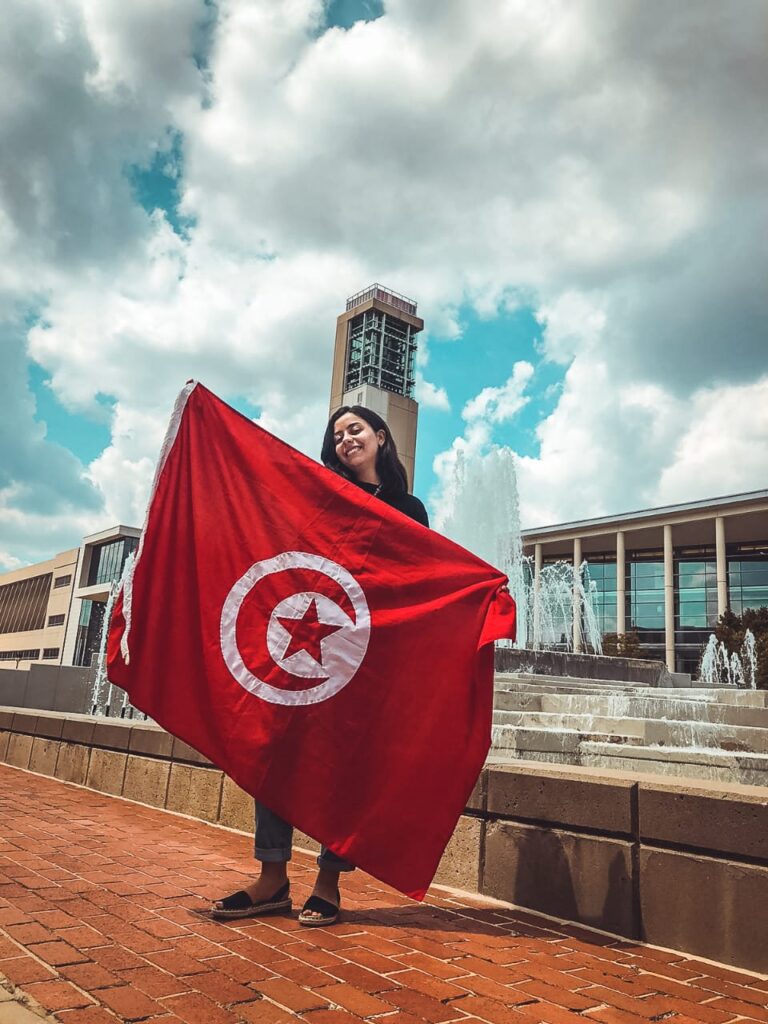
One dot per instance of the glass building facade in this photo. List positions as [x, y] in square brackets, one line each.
[695, 595]
[748, 577]
[106, 567]
[23, 604]
[644, 611]
[602, 576]
[108, 560]
[89, 627]
[382, 352]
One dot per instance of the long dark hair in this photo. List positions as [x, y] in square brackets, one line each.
[390, 469]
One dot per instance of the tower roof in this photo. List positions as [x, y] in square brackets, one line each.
[378, 291]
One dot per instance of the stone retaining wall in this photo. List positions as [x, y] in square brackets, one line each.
[681, 864]
[588, 666]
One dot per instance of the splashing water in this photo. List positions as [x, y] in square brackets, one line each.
[485, 518]
[101, 695]
[719, 667]
[103, 690]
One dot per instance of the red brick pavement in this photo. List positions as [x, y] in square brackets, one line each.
[103, 918]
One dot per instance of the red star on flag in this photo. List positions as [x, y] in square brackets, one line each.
[307, 633]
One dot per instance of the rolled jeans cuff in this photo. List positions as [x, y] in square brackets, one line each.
[333, 862]
[272, 855]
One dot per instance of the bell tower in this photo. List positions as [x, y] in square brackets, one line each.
[374, 363]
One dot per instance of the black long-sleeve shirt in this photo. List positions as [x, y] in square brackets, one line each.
[404, 502]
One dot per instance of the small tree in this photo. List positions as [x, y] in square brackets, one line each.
[623, 645]
[731, 630]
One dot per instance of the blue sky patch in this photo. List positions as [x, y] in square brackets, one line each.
[345, 13]
[157, 186]
[84, 436]
[484, 356]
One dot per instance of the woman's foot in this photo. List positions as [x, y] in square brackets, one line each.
[269, 894]
[322, 907]
[272, 877]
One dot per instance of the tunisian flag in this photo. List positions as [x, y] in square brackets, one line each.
[332, 656]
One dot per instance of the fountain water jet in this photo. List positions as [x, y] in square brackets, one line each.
[719, 667]
[485, 518]
[103, 690]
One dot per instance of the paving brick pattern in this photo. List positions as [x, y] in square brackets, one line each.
[103, 917]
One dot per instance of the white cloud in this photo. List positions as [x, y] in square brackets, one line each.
[724, 448]
[9, 562]
[487, 409]
[430, 395]
[564, 155]
[499, 405]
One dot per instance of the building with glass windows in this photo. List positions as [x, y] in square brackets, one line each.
[53, 611]
[667, 573]
[374, 362]
[35, 605]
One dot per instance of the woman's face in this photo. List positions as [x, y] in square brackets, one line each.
[357, 445]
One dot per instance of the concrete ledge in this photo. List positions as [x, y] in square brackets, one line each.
[716, 817]
[111, 735]
[146, 780]
[150, 740]
[460, 864]
[706, 906]
[587, 799]
[237, 808]
[194, 791]
[26, 722]
[72, 763]
[576, 877]
[19, 750]
[78, 728]
[584, 666]
[44, 755]
[106, 771]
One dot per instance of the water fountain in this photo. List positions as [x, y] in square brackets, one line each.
[485, 518]
[104, 695]
[719, 667]
[717, 730]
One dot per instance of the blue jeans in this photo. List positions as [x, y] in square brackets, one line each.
[274, 839]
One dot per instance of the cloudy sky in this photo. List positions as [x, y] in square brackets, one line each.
[573, 190]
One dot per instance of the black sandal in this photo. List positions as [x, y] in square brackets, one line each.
[240, 904]
[329, 911]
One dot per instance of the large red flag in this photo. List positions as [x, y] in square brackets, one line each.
[332, 656]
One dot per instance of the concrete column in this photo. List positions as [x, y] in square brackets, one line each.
[577, 643]
[538, 559]
[621, 576]
[722, 566]
[669, 598]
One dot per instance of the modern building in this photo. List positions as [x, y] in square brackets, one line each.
[374, 362]
[101, 560]
[53, 611]
[667, 573]
[35, 605]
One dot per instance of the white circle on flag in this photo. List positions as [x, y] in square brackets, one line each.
[342, 651]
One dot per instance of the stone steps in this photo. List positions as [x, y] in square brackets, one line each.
[702, 732]
[749, 769]
[505, 680]
[623, 707]
[651, 731]
[530, 684]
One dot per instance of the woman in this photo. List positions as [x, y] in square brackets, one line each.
[357, 445]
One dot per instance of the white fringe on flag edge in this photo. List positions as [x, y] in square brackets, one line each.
[130, 567]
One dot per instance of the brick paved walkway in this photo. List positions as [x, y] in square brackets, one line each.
[103, 917]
